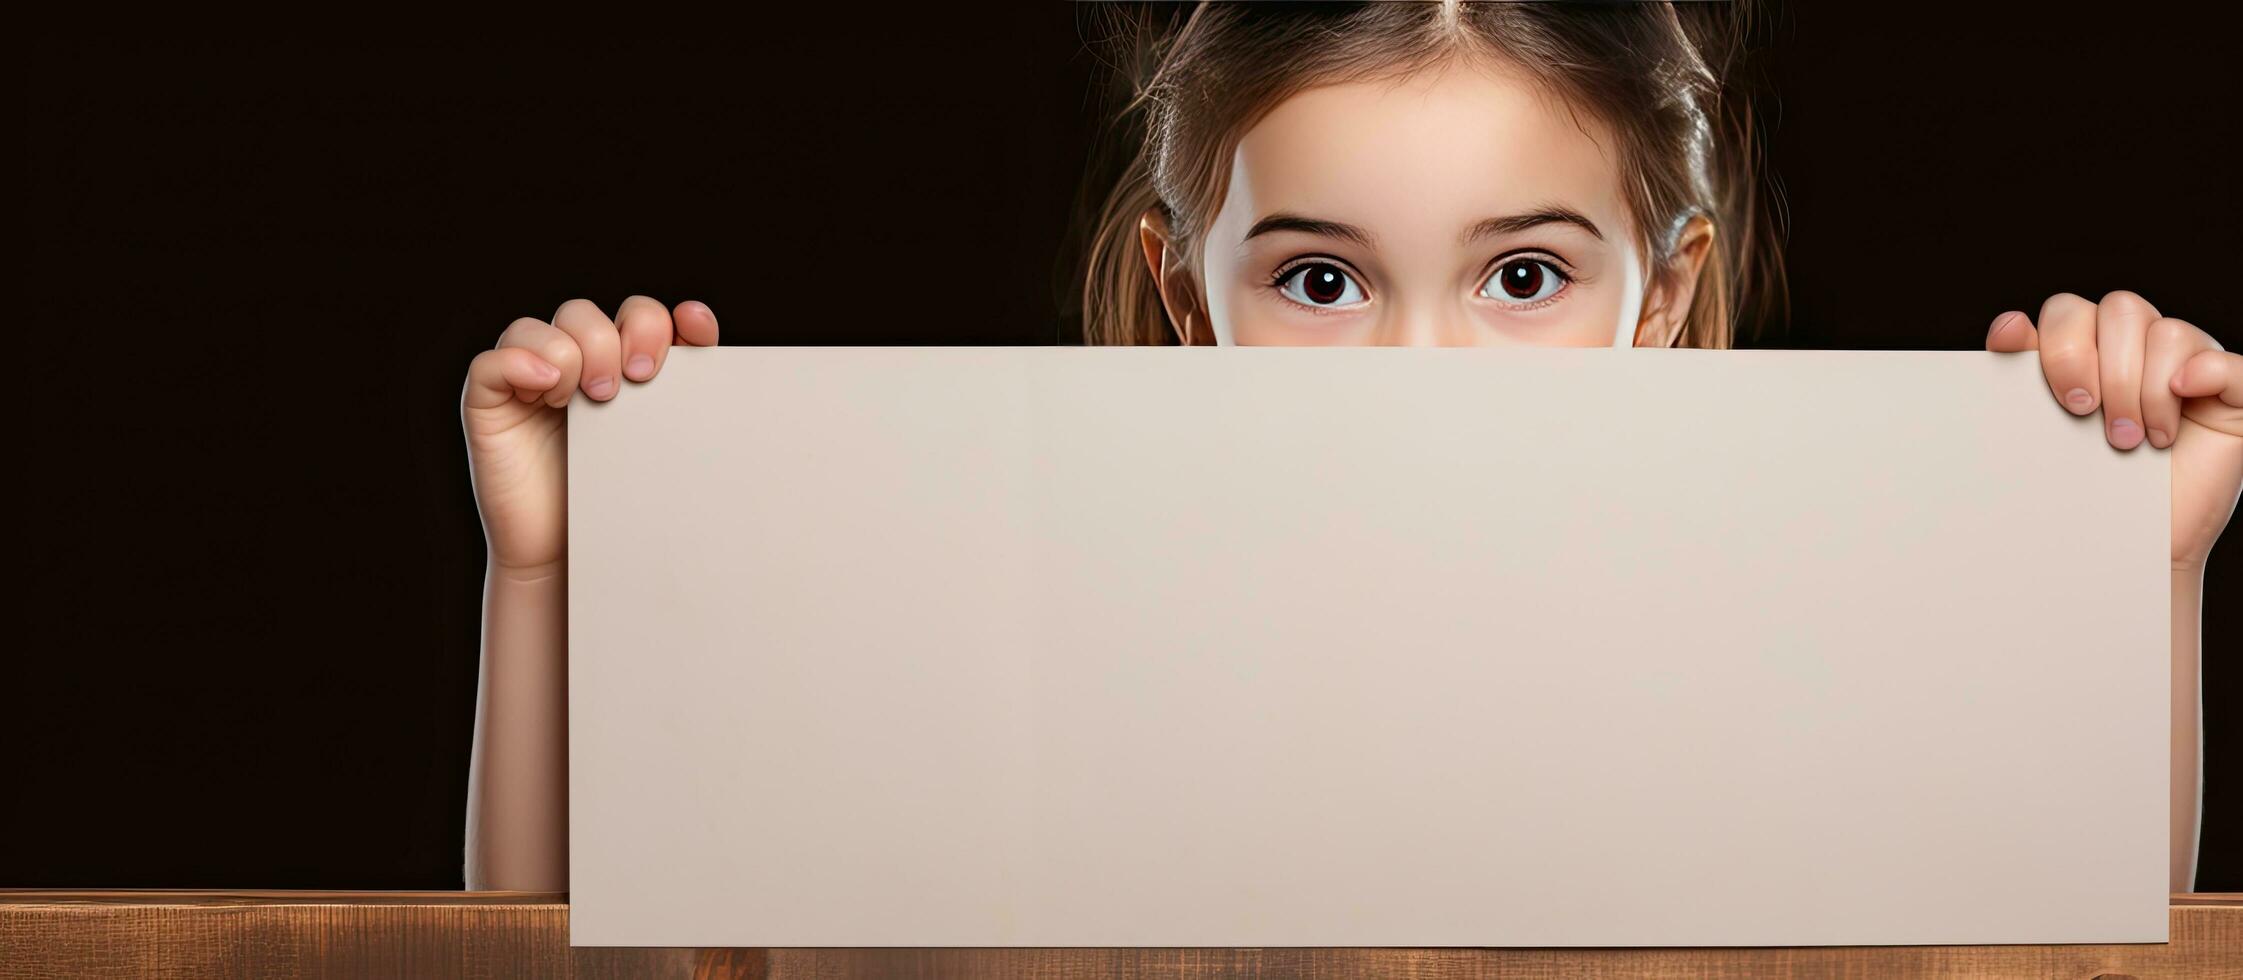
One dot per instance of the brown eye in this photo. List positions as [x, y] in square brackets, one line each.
[1319, 284]
[1524, 281]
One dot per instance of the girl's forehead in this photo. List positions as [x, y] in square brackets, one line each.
[1418, 154]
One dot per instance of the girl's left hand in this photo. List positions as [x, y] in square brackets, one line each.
[2157, 379]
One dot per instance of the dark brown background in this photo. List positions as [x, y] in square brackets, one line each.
[258, 272]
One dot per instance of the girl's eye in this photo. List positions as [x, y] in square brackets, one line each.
[1319, 284]
[1523, 281]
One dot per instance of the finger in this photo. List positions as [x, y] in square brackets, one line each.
[504, 374]
[2068, 361]
[2171, 343]
[2212, 381]
[2012, 331]
[602, 346]
[696, 324]
[2122, 326]
[2211, 373]
[644, 324]
[555, 346]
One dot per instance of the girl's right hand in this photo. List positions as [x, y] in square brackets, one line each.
[515, 405]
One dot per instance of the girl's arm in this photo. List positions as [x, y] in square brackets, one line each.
[514, 412]
[2187, 775]
[517, 788]
[2161, 384]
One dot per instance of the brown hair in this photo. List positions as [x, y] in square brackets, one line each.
[1659, 75]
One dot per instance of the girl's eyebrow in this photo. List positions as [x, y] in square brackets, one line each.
[1546, 214]
[1485, 227]
[1314, 226]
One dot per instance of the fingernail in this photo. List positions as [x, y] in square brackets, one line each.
[704, 307]
[2160, 439]
[600, 387]
[2079, 400]
[2125, 433]
[544, 371]
[641, 365]
[2002, 324]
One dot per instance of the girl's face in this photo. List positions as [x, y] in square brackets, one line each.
[1453, 207]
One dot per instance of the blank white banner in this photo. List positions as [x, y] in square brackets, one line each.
[1262, 646]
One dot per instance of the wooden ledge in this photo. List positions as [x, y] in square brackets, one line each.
[200, 933]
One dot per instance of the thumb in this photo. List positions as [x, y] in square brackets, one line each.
[2012, 331]
[2212, 381]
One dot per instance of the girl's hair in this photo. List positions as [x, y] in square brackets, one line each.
[1659, 75]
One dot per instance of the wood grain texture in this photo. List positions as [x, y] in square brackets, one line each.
[53, 933]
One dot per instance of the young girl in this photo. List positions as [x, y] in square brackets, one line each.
[1385, 173]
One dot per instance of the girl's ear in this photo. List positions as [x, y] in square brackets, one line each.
[1178, 295]
[1666, 308]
